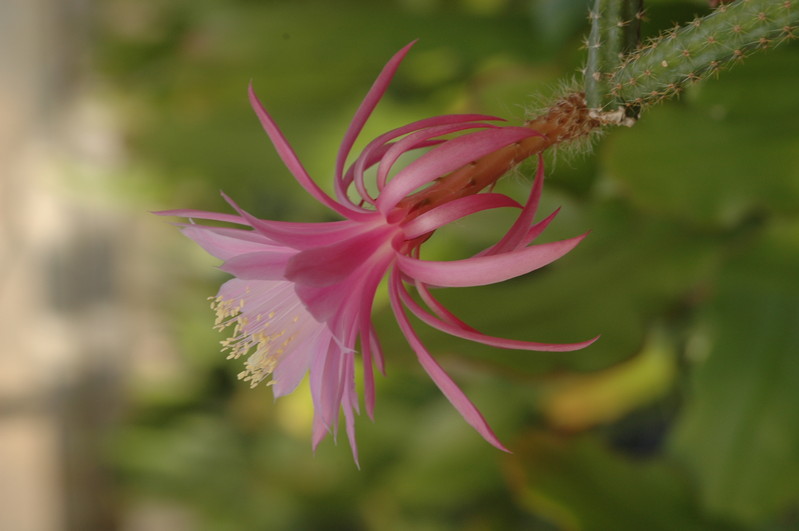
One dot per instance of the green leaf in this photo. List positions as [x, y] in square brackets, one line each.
[740, 429]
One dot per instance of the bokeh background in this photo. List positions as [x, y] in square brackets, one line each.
[117, 411]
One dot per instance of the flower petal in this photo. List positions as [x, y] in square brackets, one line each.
[419, 139]
[323, 266]
[446, 158]
[269, 265]
[201, 214]
[515, 235]
[368, 104]
[291, 160]
[225, 243]
[454, 210]
[471, 334]
[483, 270]
[450, 389]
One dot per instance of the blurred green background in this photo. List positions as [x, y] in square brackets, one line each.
[684, 415]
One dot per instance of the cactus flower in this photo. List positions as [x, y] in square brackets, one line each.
[302, 294]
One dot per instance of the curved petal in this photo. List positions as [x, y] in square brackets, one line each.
[514, 237]
[439, 309]
[532, 233]
[376, 149]
[450, 389]
[483, 270]
[305, 235]
[446, 158]
[473, 335]
[368, 104]
[455, 210]
[292, 162]
[416, 140]
[224, 243]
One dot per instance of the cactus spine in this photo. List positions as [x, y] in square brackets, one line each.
[662, 67]
[615, 31]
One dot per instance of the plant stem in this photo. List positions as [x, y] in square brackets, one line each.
[661, 68]
[615, 31]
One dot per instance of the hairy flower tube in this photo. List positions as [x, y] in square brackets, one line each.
[302, 294]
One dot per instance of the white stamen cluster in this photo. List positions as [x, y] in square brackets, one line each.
[265, 337]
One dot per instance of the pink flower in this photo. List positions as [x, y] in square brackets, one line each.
[301, 298]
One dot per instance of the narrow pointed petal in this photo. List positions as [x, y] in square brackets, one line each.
[419, 139]
[455, 210]
[269, 265]
[471, 334]
[225, 243]
[367, 106]
[302, 235]
[450, 389]
[377, 148]
[441, 311]
[446, 158]
[516, 234]
[291, 160]
[483, 270]
[201, 214]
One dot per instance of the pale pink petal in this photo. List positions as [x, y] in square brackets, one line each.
[483, 270]
[291, 369]
[225, 243]
[326, 386]
[269, 265]
[446, 158]
[201, 214]
[305, 235]
[349, 406]
[464, 406]
[455, 210]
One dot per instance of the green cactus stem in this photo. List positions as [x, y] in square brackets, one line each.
[661, 68]
[615, 31]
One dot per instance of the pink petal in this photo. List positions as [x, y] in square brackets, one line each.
[306, 235]
[225, 243]
[454, 210]
[515, 235]
[464, 406]
[323, 266]
[290, 371]
[483, 270]
[293, 163]
[377, 148]
[439, 309]
[201, 214]
[471, 334]
[367, 106]
[268, 265]
[419, 139]
[446, 158]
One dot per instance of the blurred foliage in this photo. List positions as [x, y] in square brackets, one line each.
[684, 415]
